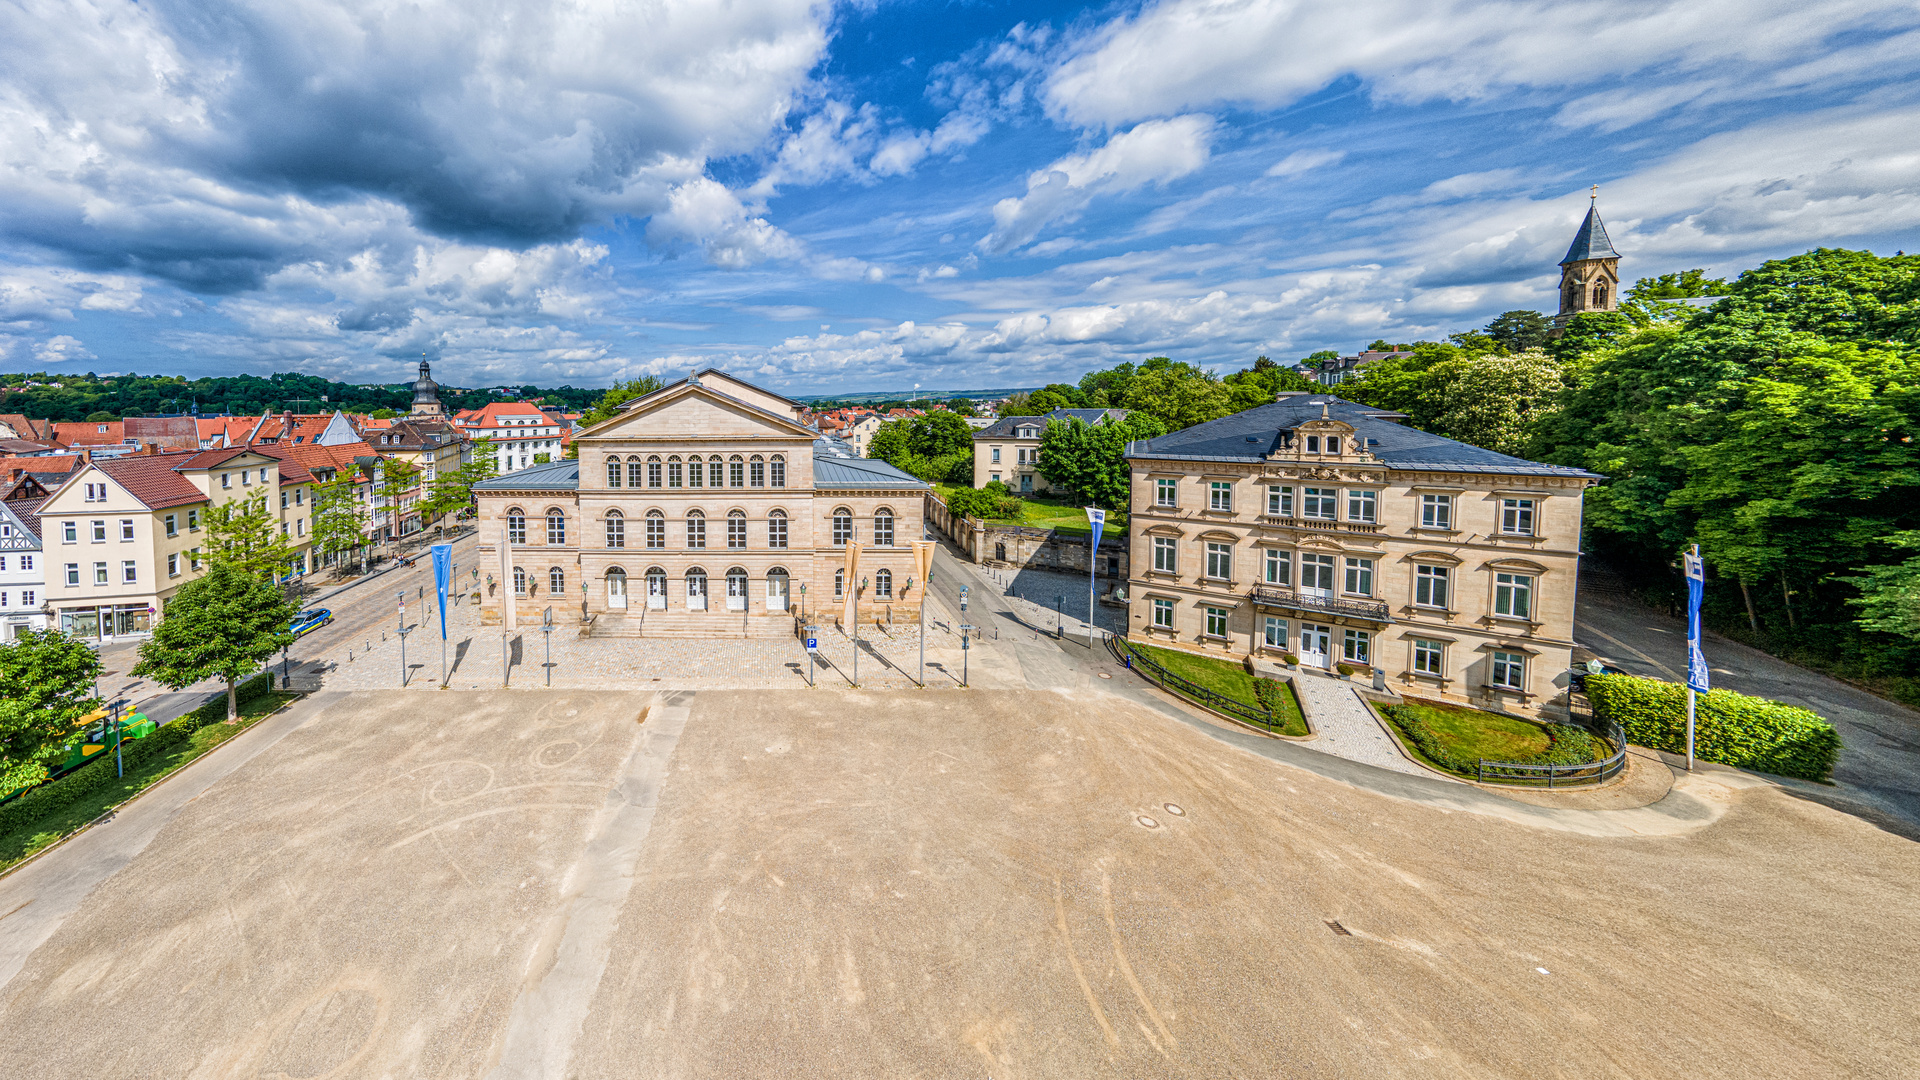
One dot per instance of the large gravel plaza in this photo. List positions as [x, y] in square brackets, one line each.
[938, 883]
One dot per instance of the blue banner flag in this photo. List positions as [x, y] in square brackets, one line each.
[442, 579]
[1696, 584]
[1098, 518]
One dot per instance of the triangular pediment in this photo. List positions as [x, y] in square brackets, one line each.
[691, 411]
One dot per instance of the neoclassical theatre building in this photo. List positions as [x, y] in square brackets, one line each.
[1326, 530]
[706, 508]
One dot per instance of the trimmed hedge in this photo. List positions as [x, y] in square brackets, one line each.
[56, 795]
[1566, 744]
[1729, 728]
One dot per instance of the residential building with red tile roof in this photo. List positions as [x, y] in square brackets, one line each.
[89, 433]
[520, 432]
[17, 426]
[120, 535]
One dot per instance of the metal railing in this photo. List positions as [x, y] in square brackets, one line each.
[1593, 772]
[1330, 605]
[1153, 672]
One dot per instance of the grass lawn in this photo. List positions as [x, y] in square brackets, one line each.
[1229, 679]
[1470, 734]
[1049, 512]
[24, 840]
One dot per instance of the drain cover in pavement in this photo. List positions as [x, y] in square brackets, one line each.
[1147, 822]
[1175, 810]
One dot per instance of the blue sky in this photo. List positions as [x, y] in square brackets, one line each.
[881, 196]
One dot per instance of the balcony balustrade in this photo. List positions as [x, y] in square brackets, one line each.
[1281, 597]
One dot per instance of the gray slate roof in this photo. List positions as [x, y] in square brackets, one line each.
[562, 475]
[1252, 435]
[1591, 241]
[1004, 427]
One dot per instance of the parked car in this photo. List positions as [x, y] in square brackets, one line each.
[311, 619]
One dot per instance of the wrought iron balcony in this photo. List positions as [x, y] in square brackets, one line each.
[1275, 596]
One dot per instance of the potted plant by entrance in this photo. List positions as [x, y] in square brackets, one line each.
[1292, 662]
[1346, 670]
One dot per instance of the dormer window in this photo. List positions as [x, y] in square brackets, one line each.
[1333, 444]
[1029, 433]
[1313, 444]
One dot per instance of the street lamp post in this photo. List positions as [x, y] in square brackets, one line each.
[546, 627]
[965, 631]
[401, 596]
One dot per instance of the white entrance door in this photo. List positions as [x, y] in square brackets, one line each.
[1315, 644]
[1316, 575]
[737, 591]
[777, 585]
[696, 592]
[656, 592]
[616, 590]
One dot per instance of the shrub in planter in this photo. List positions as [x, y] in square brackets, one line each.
[1729, 728]
[1346, 670]
[1291, 660]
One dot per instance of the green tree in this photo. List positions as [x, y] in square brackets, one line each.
[1179, 395]
[1020, 404]
[452, 491]
[1403, 384]
[225, 625]
[1494, 401]
[47, 682]
[100, 417]
[1261, 383]
[1090, 462]
[397, 477]
[1686, 283]
[620, 394]
[1316, 359]
[1518, 331]
[246, 534]
[1889, 599]
[383, 414]
[338, 524]
[961, 407]
[1106, 389]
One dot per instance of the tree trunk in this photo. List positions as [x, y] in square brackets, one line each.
[233, 703]
[1752, 619]
[1786, 596]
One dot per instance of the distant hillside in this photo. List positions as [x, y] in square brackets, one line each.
[915, 395]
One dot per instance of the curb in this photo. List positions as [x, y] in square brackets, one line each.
[362, 580]
[115, 809]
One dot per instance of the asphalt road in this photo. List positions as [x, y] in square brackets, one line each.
[1879, 768]
[952, 883]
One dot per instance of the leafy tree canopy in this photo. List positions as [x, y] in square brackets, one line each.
[224, 625]
[621, 393]
[1089, 461]
[47, 682]
[245, 533]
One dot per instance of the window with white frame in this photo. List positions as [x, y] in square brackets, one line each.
[1353, 646]
[1359, 576]
[1166, 554]
[696, 529]
[1216, 622]
[676, 473]
[173, 565]
[1277, 567]
[1219, 495]
[1510, 670]
[1166, 492]
[172, 523]
[778, 470]
[756, 472]
[1513, 595]
[99, 531]
[883, 527]
[777, 529]
[1436, 511]
[100, 573]
[613, 472]
[842, 527]
[68, 532]
[73, 573]
[616, 530]
[519, 582]
[1279, 500]
[1316, 572]
[994, 458]
[1360, 507]
[1430, 585]
[1276, 632]
[736, 529]
[1162, 609]
[556, 527]
[516, 527]
[656, 529]
[1219, 561]
[883, 584]
[653, 473]
[1319, 503]
[737, 472]
[840, 582]
[1429, 657]
[557, 581]
[1516, 517]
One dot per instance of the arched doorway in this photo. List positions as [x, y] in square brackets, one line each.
[696, 589]
[656, 589]
[736, 589]
[779, 588]
[616, 589]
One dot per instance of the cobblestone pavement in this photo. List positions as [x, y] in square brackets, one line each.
[1347, 728]
[1032, 594]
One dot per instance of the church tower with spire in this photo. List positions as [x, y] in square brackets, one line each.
[426, 393]
[1590, 274]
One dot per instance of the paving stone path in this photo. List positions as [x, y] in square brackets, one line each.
[1347, 727]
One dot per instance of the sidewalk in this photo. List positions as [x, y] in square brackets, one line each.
[1347, 728]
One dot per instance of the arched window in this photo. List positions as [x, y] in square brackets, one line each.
[616, 588]
[616, 530]
[556, 527]
[656, 529]
[736, 529]
[633, 472]
[696, 476]
[756, 472]
[696, 529]
[613, 472]
[737, 472]
[839, 582]
[519, 582]
[883, 527]
[1600, 296]
[673, 472]
[883, 584]
[736, 588]
[557, 581]
[776, 528]
[779, 471]
[842, 527]
[653, 472]
[516, 526]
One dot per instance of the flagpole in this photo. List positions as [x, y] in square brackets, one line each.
[1697, 674]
